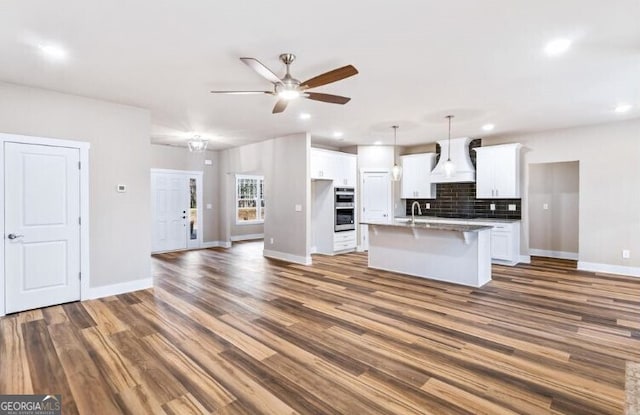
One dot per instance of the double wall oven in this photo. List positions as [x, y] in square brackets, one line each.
[345, 209]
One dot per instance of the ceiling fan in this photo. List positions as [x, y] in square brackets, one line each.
[289, 88]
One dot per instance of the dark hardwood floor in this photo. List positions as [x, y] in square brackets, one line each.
[230, 332]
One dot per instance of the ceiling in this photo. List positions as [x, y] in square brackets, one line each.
[482, 61]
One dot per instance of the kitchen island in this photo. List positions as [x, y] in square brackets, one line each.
[454, 253]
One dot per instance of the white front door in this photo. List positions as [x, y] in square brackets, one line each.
[42, 225]
[376, 198]
[176, 199]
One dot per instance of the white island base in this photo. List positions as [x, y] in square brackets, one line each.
[460, 255]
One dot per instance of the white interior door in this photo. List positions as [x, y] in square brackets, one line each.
[176, 210]
[376, 201]
[376, 193]
[42, 225]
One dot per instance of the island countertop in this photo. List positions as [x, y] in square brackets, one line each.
[432, 226]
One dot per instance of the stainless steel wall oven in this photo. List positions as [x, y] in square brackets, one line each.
[345, 209]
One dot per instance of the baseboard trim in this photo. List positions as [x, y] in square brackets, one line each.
[525, 259]
[609, 269]
[115, 289]
[248, 237]
[216, 244]
[283, 256]
[553, 254]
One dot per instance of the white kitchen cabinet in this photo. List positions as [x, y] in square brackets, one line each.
[333, 165]
[322, 164]
[345, 170]
[343, 241]
[498, 171]
[416, 176]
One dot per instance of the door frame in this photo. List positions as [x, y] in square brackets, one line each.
[83, 148]
[199, 174]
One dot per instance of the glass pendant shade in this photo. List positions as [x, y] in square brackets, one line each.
[449, 168]
[197, 144]
[396, 170]
[396, 173]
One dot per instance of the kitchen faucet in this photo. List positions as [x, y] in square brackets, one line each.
[413, 211]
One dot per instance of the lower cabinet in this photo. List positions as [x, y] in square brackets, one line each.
[343, 241]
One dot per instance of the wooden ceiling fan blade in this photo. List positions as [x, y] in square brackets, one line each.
[329, 77]
[280, 106]
[333, 99]
[242, 92]
[261, 69]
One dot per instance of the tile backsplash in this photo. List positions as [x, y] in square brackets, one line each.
[458, 200]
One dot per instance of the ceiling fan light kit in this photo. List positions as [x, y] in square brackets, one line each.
[289, 88]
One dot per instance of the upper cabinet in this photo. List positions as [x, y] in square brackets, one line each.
[416, 176]
[333, 165]
[498, 171]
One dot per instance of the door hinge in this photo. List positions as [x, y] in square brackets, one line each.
[79, 220]
[79, 165]
[79, 275]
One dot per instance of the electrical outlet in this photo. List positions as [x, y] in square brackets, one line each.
[428, 206]
[512, 207]
[209, 206]
[626, 254]
[545, 206]
[298, 208]
[492, 206]
[271, 241]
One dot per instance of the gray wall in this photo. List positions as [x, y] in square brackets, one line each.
[179, 158]
[120, 230]
[609, 156]
[556, 185]
[284, 163]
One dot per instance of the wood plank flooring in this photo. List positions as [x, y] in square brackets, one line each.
[230, 332]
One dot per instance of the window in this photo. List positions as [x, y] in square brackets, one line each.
[249, 199]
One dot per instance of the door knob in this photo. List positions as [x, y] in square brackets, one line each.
[14, 236]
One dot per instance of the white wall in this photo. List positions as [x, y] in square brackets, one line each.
[120, 229]
[609, 156]
[179, 158]
[284, 162]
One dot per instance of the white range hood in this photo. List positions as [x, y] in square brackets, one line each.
[464, 170]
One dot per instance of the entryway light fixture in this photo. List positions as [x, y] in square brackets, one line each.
[449, 166]
[197, 144]
[396, 171]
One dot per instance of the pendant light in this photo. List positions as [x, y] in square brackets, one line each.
[396, 171]
[449, 166]
[197, 144]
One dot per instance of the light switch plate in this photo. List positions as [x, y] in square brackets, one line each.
[512, 207]
[298, 208]
[626, 254]
[209, 205]
[545, 206]
[208, 162]
[492, 206]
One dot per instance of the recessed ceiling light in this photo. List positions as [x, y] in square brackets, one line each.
[621, 108]
[377, 143]
[305, 116]
[557, 47]
[488, 127]
[53, 52]
[338, 134]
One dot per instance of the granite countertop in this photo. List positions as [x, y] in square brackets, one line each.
[433, 226]
[437, 219]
